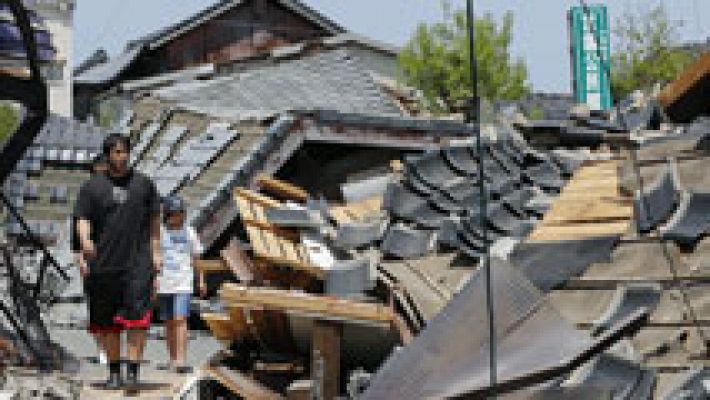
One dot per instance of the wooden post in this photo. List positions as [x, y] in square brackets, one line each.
[326, 358]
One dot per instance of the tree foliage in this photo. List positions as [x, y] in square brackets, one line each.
[8, 121]
[436, 61]
[646, 50]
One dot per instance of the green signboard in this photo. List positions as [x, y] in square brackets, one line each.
[590, 52]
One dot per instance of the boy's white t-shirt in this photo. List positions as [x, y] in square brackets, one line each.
[177, 248]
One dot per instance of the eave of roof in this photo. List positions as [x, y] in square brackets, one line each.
[161, 37]
[105, 73]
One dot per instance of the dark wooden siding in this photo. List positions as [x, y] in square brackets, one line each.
[248, 30]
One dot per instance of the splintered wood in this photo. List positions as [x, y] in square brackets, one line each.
[589, 206]
[281, 189]
[321, 307]
[270, 243]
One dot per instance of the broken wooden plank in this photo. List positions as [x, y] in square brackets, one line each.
[210, 266]
[240, 384]
[591, 210]
[293, 301]
[237, 261]
[221, 326]
[579, 231]
[255, 197]
[282, 189]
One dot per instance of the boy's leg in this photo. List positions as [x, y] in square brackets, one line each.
[180, 340]
[182, 310]
[170, 338]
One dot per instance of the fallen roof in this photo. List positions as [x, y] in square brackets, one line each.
[330, 80]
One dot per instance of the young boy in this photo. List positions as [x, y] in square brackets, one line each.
[180, 247]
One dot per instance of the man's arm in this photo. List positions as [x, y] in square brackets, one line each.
[155, 242]
[88, 249]
[81, 262]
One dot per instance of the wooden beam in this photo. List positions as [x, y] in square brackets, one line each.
[281, 189]
[325, 358]
[210, 266]
[322, 307]
[223, 327]
[240, 384]
[238, 262]
[673, 91]
[256, 197]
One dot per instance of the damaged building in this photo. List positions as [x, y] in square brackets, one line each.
[344, 233]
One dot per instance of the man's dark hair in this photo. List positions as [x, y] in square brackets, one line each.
[113, 140]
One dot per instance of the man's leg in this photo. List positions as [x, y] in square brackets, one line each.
[112, 346]
[136, 344]
[101, 347]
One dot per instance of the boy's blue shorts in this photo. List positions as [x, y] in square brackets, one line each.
[174, 305]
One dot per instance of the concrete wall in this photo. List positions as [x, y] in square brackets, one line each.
[58, 16]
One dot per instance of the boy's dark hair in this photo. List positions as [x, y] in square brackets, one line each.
[97, 161]
[113, 140]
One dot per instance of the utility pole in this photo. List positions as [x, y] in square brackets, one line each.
[473, 119]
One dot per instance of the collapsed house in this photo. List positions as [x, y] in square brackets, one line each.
[345, 236]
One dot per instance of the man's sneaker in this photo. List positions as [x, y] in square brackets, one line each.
[103, 360]
[131, 381]
[114, 382]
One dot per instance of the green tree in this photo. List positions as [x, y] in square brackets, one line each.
[8, 121]
[646, 50]
[436, 61]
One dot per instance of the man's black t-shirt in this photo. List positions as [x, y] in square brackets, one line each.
[119, 212]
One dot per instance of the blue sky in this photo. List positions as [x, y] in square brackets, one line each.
[540, 32]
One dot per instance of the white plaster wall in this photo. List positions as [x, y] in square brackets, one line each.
[58, 16]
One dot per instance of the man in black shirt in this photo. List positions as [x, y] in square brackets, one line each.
[118, 216]
[98, 166]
